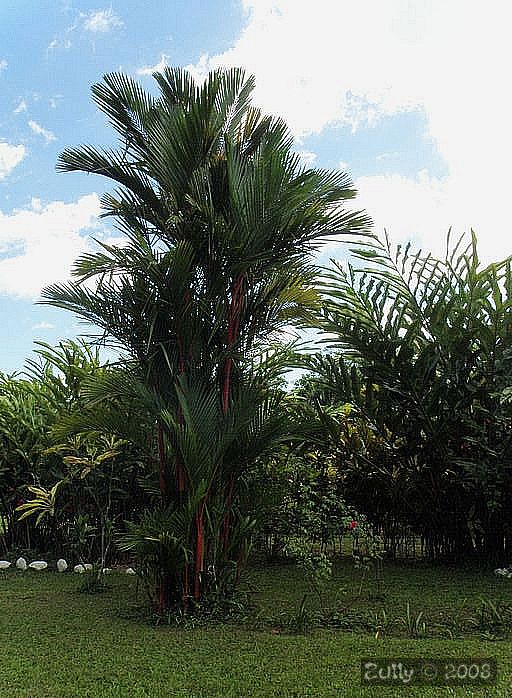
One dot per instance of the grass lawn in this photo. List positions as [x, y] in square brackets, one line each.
[56, 642]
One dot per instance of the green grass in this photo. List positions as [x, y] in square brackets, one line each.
[55, 642]
[448, 597]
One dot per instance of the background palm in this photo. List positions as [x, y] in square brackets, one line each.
[425, 359]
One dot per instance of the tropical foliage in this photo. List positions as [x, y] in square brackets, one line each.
[71, 488]
[425, 358]
[188, 447]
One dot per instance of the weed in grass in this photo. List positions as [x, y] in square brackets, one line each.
[493, 617]
[455, 623]
[300, 622]
[414, 624]
[383, 624]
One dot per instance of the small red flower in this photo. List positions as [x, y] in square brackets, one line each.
[352, 525]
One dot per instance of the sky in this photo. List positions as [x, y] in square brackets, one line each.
[411, 97]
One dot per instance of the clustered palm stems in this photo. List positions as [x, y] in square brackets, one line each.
[219, 219]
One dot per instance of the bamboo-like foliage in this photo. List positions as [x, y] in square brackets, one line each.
[219, 220]
[429, 344]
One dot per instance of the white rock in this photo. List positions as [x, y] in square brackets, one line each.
[503, 571]
[106, 570]
[62, 565]
[21, 564]
[38, 565]
[4, 564]
[88, 567]
[130, 570]
[79, 569]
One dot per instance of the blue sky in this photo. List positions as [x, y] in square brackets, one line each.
[411, 96]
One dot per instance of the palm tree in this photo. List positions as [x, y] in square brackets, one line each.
[220, 220]
[428, 342]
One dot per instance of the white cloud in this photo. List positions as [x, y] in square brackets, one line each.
[3, 65]
[101, 21]
[423, 209]
[22, 106]
[387, 156]
[10, 156]
[40, 131]
[55, 101]
[43, 326]
[333, 61]
[353, 63]
[157, 68]
[307, 157]
[410, 209]
[318, 66]
[59, 43]
[39, 244]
